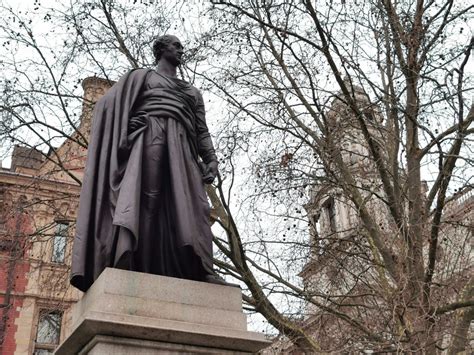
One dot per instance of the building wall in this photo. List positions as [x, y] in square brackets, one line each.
[327, 265]
[36, 197]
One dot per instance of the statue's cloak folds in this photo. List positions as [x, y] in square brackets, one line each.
[108, 220]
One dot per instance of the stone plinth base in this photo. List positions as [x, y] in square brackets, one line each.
[128, 312]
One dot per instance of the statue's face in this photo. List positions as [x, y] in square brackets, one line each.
[173, 52]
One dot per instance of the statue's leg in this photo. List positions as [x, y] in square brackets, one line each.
[154, 165]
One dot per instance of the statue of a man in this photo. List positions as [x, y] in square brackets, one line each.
[143, 206]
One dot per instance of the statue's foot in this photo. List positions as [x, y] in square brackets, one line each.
[214, 279]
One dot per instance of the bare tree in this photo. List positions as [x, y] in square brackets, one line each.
[368, 101]
[342, 104]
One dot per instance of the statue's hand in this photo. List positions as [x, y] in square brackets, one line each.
[210, 172]
[138, 121]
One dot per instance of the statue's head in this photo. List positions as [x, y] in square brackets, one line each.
[168, 44]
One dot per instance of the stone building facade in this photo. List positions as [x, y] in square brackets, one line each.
[336, 234]
[39, 198]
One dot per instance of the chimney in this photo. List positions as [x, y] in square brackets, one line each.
[25, 157]
[94, 89]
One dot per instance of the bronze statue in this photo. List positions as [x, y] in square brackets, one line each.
[143, 206]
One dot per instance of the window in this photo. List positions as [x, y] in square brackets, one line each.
[318, 242]
[48, 332]
[330, 211]
[59, 242]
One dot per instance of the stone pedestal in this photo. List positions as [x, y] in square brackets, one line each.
[128, 312]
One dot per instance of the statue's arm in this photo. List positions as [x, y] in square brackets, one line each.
[205, 147]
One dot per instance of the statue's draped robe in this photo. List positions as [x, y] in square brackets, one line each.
[143, 206]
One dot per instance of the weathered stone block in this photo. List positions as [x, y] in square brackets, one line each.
[131, 312]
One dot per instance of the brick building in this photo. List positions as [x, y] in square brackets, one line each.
[39, 199]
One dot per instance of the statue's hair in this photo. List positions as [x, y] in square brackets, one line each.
[159, 44]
